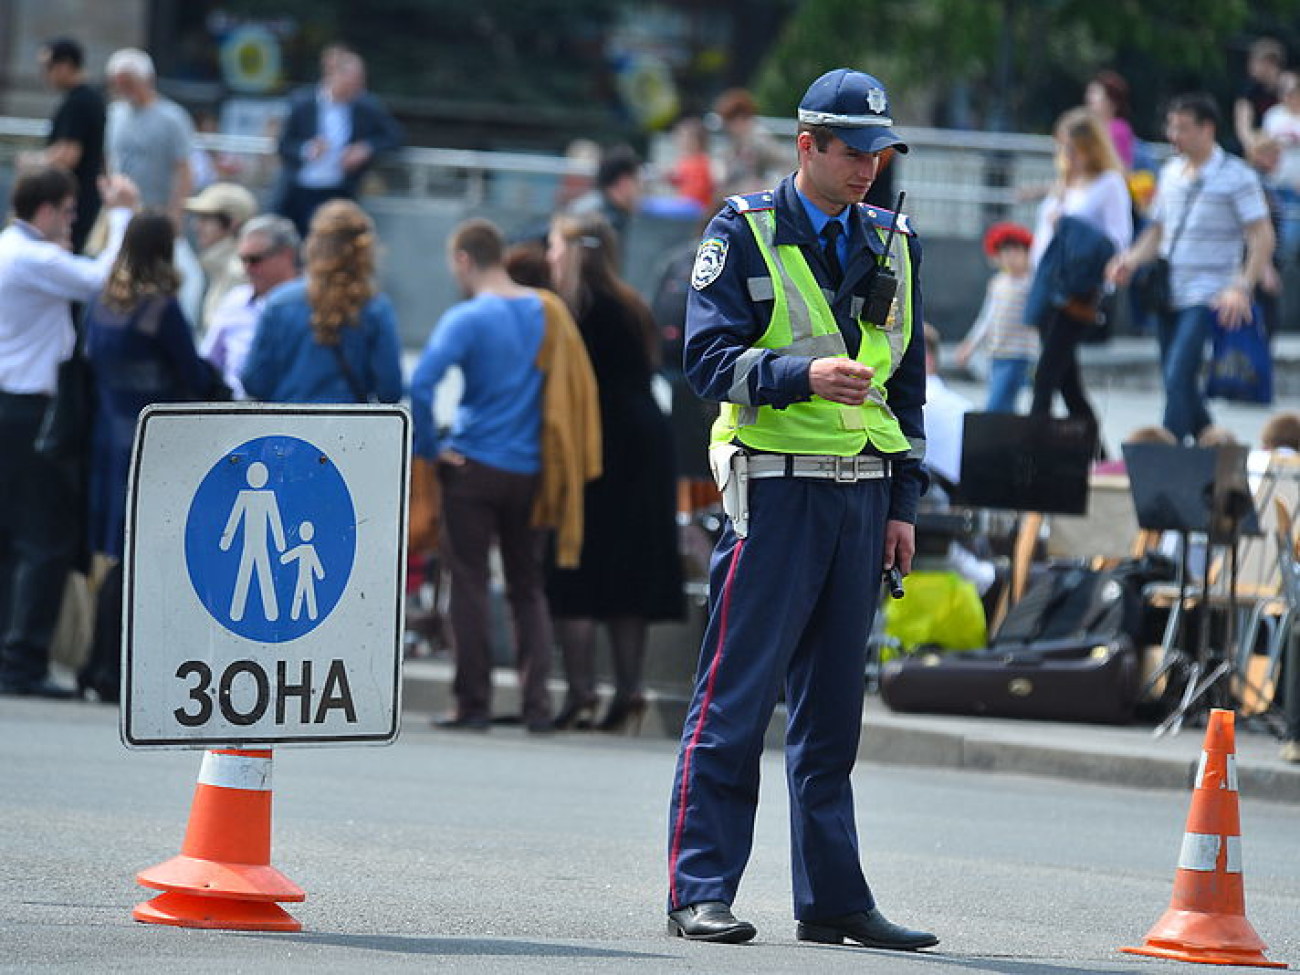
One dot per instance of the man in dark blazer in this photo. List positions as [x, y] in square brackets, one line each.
[330, 138]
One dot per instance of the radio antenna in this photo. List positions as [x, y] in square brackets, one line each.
[893, 227]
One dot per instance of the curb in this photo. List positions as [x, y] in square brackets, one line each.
[1127, 757]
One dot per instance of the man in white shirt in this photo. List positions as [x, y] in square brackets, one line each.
[268, 249]
[1210, 221]
[945, 416]
[39, 277]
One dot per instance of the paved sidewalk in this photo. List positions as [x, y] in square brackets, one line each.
[1111, 755]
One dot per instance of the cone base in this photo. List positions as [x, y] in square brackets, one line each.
[1207, 956]
[223, 913]
[208, 878]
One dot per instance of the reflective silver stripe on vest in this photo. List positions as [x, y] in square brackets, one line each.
[747, 416]
[894, 337]
[797, 305]
[746, 363]
[874, 395]
[917, 445]
[760, 289]
[818, 346]
[856, 304]
[903, 302]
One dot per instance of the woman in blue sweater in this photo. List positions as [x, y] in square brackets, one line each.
[330, 336]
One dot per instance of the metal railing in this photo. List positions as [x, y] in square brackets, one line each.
[956, 181]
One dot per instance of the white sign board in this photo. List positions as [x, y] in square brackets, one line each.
[264, 574]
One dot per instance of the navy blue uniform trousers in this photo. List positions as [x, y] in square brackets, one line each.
[791, 603]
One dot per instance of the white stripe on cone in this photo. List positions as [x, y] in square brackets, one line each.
[1230, 785]
[1200, 852]
[249, 772]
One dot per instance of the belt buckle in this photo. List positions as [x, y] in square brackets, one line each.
[846, 470]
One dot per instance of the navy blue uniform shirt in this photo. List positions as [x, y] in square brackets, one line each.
[723, 321]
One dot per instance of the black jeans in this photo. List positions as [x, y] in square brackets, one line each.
[1058, 369]
[37, 542]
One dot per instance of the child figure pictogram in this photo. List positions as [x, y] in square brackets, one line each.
[309, 570]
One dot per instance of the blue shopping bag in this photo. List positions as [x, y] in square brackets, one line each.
[1241, 364]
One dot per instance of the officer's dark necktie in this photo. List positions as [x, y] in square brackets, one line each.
[831, 251]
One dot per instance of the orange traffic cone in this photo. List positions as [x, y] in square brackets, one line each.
[1206, 920]
[223, 877]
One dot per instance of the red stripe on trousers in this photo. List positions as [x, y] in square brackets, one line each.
[680, 825]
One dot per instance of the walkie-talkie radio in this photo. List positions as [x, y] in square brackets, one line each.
[882, 283]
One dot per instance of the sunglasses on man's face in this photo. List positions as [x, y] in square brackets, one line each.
[251, 260]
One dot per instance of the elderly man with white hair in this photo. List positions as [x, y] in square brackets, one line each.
[148, 138]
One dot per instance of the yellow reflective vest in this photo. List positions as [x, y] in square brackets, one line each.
[803, 324]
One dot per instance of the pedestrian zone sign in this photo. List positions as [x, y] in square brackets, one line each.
[264, 575]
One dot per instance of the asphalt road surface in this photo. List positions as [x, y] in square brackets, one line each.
[504, 853]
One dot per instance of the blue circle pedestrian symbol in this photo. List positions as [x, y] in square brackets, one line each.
[270, 539]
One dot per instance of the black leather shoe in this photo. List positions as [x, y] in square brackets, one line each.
[709, 921]
[870, 929]
[45, 688]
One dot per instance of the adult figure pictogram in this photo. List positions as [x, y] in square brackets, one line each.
[257, 511]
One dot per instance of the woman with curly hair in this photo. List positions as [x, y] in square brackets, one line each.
[140, 351]
[330, 336]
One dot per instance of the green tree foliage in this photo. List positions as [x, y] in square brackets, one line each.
[1008, 52]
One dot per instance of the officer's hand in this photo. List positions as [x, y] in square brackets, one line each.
[900, 545]
[840, 380]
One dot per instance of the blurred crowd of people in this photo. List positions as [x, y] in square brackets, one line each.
[280, 303]
[558, 424]
[1188, 249]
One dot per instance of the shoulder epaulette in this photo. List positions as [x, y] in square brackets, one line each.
[754, 201]
[884, 219]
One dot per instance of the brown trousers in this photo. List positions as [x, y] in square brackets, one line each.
[480, 505]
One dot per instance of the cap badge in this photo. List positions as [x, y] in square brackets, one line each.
[876, 100]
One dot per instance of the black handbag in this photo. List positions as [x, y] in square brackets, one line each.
[1155, 296]
[64, 434]
[1151, 283]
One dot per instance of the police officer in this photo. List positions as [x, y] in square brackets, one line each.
[804, 321]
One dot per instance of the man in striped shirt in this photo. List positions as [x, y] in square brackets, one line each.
[1210, 221]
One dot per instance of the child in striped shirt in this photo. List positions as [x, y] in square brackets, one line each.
[1010, 342]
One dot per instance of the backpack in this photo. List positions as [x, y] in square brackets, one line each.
[1071, 602]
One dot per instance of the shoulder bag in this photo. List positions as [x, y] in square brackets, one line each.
[1151, 283]
[65, 429]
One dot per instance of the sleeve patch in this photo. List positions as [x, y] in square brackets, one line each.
[709, 262]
